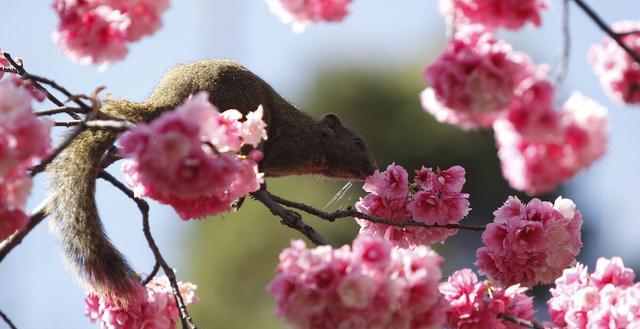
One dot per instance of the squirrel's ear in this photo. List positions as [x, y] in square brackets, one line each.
[331, 120]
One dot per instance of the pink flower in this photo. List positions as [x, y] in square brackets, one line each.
[154, 308]
[605, 299]
[530, 244]
[472, 306]
[98, 31]
[510, 14]
[398, 289]
[474, 79]
[619, 74]
[539, 151]
[437, 199]
[389, 184]
[3, 62]
[176, 159]
[301, 13]
[254, 128]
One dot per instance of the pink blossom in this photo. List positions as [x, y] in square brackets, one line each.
[605, 299]
[473, 306]
[389, 184]
[177, 159]
[530, 243]
[537, 154]
[301, 13]
[154, 308]
[254, 128]
[11, 220]
[436, 199]
[473, 81]
[510, 14]
[357, 292]
[619, 74]
[98, 31]
[3, 62]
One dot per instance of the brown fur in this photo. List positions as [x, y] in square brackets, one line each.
[297, 145]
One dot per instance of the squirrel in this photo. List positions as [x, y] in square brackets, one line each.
[296, 145]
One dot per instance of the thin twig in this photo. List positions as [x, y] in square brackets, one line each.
[349, 212]
[61, 109]
[37, 80]
[154, 271]
[521, 322]
[604, 27]
[143, 206]
[289, 218]
[566, 44]
[37, 215]
[23, 73]
[118, 125]
[624, 34]
[7, 320]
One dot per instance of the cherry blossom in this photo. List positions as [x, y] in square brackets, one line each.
[530, 243]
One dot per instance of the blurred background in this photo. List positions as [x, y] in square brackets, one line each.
[368, 70]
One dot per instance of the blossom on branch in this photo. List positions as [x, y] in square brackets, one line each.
[530, 243]
[188, 158]
[98, 31]
[435, 198]
[24, 140]
[606, 298]
[473, 81]
[540, 147]
[477, 304]
[154, 307]
[301, 13]
[619, 73]
[368, 286]
[492, 14]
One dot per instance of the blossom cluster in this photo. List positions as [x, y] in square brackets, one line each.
[371, 285]
[98, 31]
[539, 147]
[301, 13]
[492, 14]
[189, 158]
[153, 308]
[434, 198]
[24, 139]
[477, 304]
[474, 79]
[530, 243]
[606, 298]
[619, 73]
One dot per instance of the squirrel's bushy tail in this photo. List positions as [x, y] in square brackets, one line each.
[85, 244]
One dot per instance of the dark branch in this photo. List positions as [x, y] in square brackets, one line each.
[521, 322]
[604, 27]
[7, 320]
[38, 214]
[118, 125]
[349, 212]
[289, 218]
[38, 80]
[8, 70]
[154, 271]
[143, 206]
[61, 109]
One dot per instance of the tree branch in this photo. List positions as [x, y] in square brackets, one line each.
[350, 212]
[37, 215]
[19, 69]
[289, 218]
[566, 44]
[7, 320]
[604, 27]
[521, 322]
[154, 271]
[118, 125]
[60, 109]
[143, 206]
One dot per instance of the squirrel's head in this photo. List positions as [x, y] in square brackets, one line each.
[347, 156]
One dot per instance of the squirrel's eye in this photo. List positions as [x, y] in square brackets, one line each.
[359, 142]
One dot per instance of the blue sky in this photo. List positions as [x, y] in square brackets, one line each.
[39, 292]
